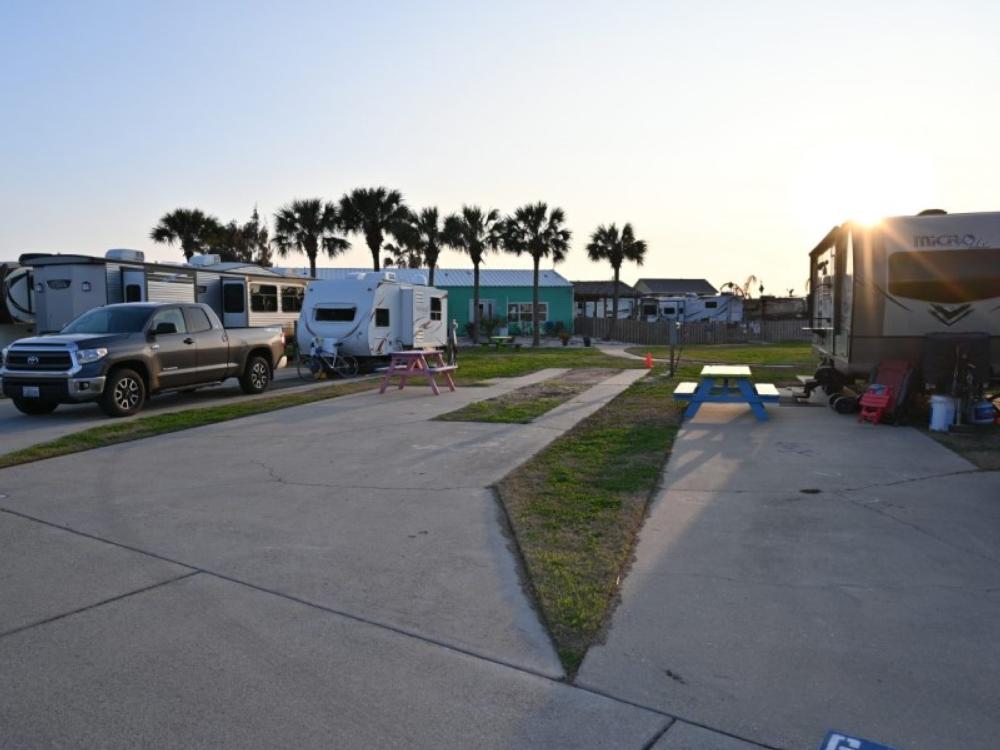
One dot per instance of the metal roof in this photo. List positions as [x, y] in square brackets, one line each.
[452, 277]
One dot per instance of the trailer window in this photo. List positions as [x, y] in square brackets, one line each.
[232, 298]
[291, 298]
[263, 298]
[948, 276]
[381, 317]
[133, 293]
[435, 308]
[335, 314]
[711, 304]
[669, 310]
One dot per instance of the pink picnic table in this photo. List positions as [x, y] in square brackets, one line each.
[414, 363]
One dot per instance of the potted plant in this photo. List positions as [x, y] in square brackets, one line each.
[564, 336]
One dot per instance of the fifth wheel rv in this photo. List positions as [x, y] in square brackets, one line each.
[877, 293]
[17, 316]
[243, 296]
[367, 315]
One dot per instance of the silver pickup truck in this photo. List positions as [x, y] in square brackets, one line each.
[119, 355]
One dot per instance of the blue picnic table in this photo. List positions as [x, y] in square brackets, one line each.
[726, 384]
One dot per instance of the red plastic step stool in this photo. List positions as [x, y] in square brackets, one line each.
[875, 403]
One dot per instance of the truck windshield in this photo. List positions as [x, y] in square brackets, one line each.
[110, 320]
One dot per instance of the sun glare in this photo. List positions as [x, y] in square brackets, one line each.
[862, 183]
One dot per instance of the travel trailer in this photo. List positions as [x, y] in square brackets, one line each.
[373, 315]
[877, 292]
[17, 317]
[243, 296]
[690, 308]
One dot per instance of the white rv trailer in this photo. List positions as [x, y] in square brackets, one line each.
[17, 317]
[690, 308]
[373, 315]
[243, 296]
[876, 292]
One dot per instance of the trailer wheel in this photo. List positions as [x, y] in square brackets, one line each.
[256, 376]
[34, 406]
[845, 405]
[124, 393]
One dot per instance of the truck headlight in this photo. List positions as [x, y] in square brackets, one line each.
[86, 356]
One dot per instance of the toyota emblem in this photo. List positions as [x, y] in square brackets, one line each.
[32, 360]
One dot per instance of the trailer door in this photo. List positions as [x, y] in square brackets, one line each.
[134, 284]
[234, 303]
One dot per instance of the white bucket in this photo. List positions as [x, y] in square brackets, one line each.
[942, 413]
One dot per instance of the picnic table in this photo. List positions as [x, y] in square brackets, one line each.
[501, 341]
[736, 387]
[414, 363]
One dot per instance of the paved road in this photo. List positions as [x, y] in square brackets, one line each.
[19, 430]
[333, 575]
[810, 573]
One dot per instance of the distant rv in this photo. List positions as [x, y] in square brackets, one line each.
[877, 292]
[691, 308]
[61, 287]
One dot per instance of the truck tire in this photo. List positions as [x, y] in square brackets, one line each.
[124, 393]
[256, 375]
[34, 406]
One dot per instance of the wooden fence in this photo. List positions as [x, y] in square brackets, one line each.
[705, 332]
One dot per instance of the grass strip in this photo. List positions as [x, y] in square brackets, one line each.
[575, 509]
[981, 446]
[793, 354]
[158, 424]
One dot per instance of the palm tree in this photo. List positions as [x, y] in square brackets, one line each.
[475, 233]
[191, 227]
[307, 226]
[429, 239]
[540, 233]
[374, 212]
[607, 244]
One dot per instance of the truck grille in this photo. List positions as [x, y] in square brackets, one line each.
[34, 361]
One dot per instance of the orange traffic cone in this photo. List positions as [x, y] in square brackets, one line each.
[649, 360]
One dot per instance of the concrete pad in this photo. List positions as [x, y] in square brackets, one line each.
[684, 736]
[46, 572]
[19, 430]
[777, 615]
[363, 504]
[209, 663]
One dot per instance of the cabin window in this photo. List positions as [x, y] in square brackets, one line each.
[335, 314]
[435, 308]
[263, 298]
[197, 320]
[520, 312]
[291, 298]
[232, 298]
[649, 309]
[711, 304]
[945, 276]
[133, 293]
[381, 317]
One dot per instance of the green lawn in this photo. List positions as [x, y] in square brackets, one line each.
[483, 364]
[796, 354]
[575, 508]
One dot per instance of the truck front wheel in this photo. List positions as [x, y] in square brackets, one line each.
[34, 406]
[256, 376]
[124, 393]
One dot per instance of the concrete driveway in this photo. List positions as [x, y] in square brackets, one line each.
[808, 574]
[19, 430]
[333, 575]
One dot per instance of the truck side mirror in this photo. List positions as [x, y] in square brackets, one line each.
[164, 327]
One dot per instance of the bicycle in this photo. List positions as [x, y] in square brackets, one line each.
[319, 363]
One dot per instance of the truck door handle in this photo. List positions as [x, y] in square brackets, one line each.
[188, 341]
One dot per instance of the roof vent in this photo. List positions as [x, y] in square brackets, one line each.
[124, 254]
[201, 261]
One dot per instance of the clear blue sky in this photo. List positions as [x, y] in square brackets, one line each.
[731, 134]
